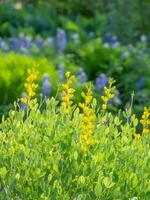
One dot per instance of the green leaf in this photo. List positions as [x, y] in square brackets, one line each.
[75, 155]
[117, 121]
[3, 171]
[108, 182]
[98, 189]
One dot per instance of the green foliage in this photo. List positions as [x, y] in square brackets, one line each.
[40, 157]
[126, 19]
[14, 70]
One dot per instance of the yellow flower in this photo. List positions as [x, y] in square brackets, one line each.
[30, 86]
[84, 148]
[104, 106]
[68, 93]
[24, 100]
[145, 121]
[67, 74]
[108, 94]
[137, 136]
[87, 125]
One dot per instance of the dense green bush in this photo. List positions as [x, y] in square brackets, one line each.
[41, 156]
[14, 70]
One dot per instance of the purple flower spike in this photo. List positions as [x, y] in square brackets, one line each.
[82, 76]
[61, 72]
[101, 82]
[46, 86]
[123, 56]
[140, 83]
[61, 40]
[39, 42]
[143, 38]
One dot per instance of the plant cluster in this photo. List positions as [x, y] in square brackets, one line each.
[41, 156]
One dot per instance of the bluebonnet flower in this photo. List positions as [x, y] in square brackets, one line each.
[61, 39]
[24, 50]
[39, 42]
[140, 83]
[108, 38]
[23, 105]
[143, 38]
[123, 55]
[101, 82]
[50, 41]
[14, 44]
[61, 72]
[114, 42]
[25, 42]
[2, 43]
[46, 86]
[82, 77]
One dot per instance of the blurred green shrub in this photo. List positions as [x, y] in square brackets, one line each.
[126, 19]
[13, 72]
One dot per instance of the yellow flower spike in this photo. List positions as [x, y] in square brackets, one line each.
[108, 94]
[145, 121]
[67, 74]
[90, 142]
[71, 90]
[88, 99]
[67, 93]
[84, 149]
[30, 86]
[137, 136]
[72, 78]
[65, 86]
[104, 106]
[87, 125]
[24, 100]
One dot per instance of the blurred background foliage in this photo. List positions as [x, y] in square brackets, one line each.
[100, 38]
[125, 18]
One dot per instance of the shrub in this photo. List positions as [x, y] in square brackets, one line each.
[88, 154]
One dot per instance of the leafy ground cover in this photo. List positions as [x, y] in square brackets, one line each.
[73, 151]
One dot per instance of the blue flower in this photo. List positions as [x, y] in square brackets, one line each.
[2, 43]
[61, 40]
[108, 38]
[50, 41]
[14, 44]
[61, 72]
[39, 42]
[82, 77]
[143, 38]
[25, 42]
[123, 56]
[46, 86]
[112, 40]
[140, 83]
[101, 82]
